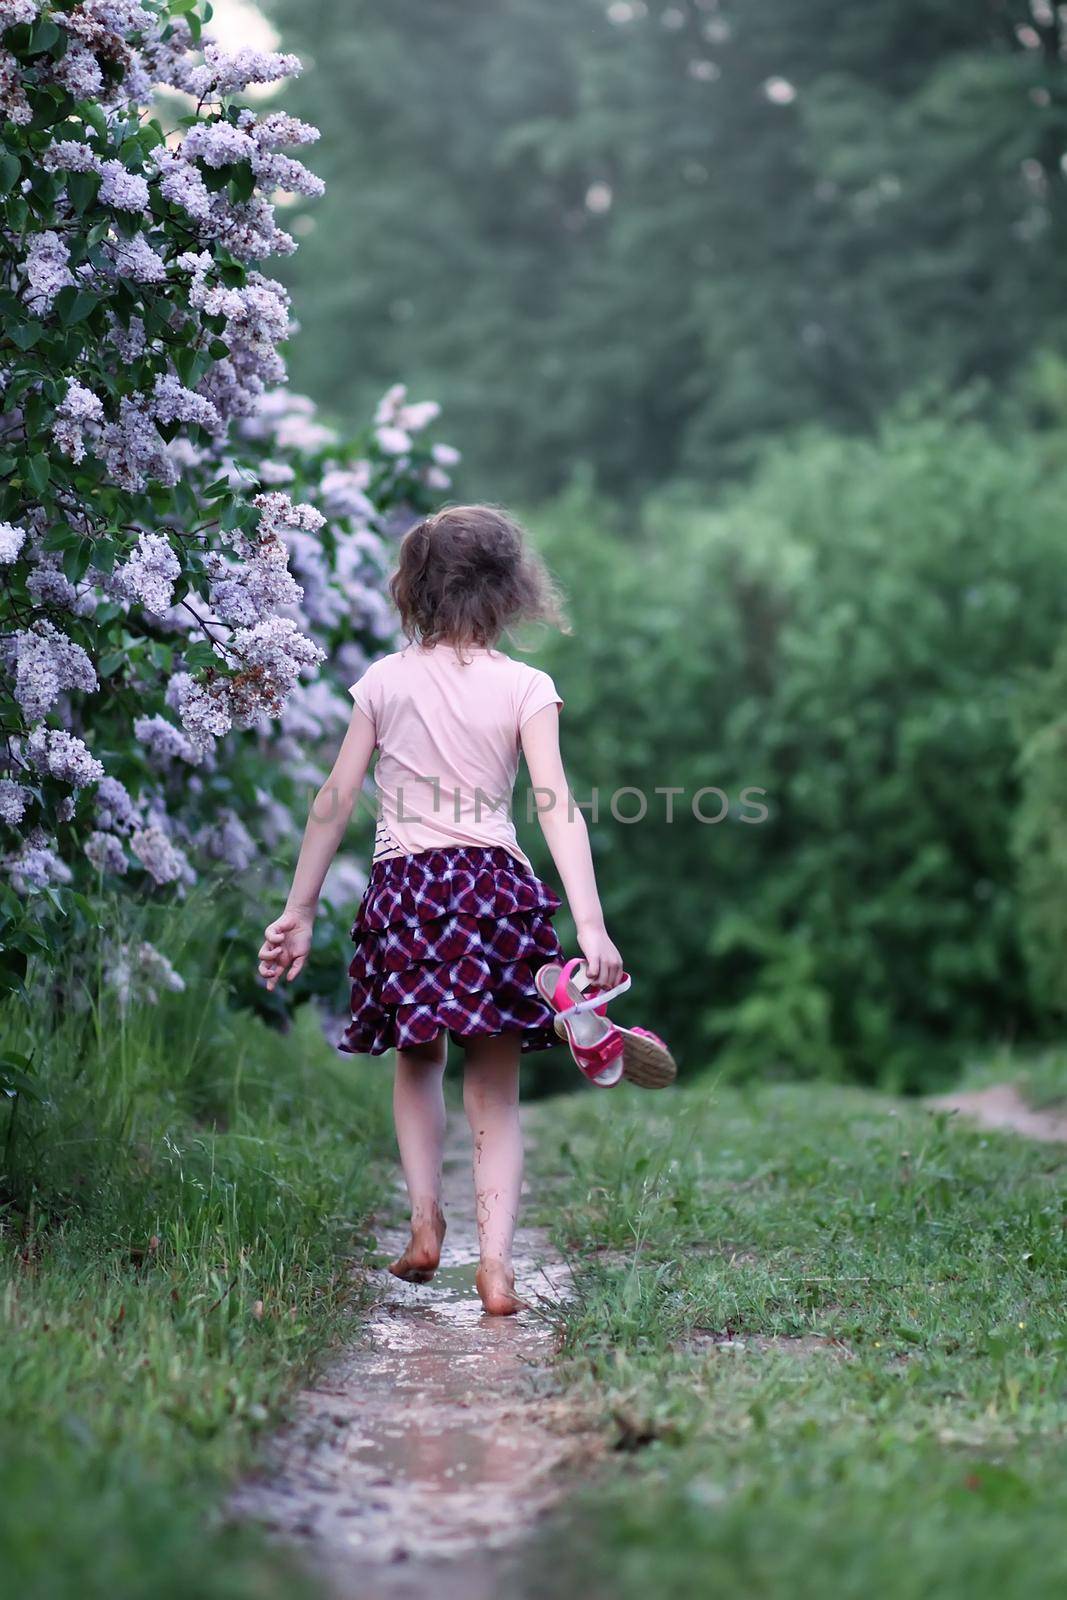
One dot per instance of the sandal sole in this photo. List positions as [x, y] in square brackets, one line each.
[646, 1064]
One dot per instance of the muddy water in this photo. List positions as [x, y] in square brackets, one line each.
[424, 1455]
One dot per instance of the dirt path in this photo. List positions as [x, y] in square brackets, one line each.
[1003, 1107]
[425, 1454]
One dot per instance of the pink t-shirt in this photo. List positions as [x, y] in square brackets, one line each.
[447, 734]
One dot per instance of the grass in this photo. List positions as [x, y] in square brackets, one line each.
[825, 1332]
[183, 1192]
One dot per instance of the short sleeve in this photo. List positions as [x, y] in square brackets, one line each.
[535, 695]
[365, 695]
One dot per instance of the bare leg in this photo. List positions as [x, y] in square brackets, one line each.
[419, 1114]
[491, 1101]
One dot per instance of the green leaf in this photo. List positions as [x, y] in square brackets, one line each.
[10, 168]
[82, 189]
[37, 472]
[76, 560]
[199, 654]
[43, 37]
[26, 334]
[84, 304]
[61, 537]
[15, 1080]
[110, 664]
[92, 114]
[242, 181]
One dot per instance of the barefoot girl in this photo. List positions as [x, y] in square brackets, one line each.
[454, 923]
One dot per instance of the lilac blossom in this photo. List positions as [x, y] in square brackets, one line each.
[277, 513]
[134, 258]
[133, 449]
[173, 402]
[46, 270]
[48, 664]
[183, 184]
[249, 593]
[205, 711]
[278, 129]
[12, 539]
[149, 574]
[70, 155]
[138, 972]
[163, 743]
[126, 191]
[14, 12]
[78, 69]
[345, 882]
[277, 171]
[161, 859]
[129, 342]
[218, 144]
[14, 798]
[248, 229]
[275, 472]
[392, 441]
[57, 754]
[224, 74]
[272, 654]
[229, 841]
[343, 492]
[106, 852]
[14, 104]
[265, 596]
[113, 807]
[78, 410]
[36, 866]
[49, 585]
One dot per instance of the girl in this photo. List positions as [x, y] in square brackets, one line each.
[454, 923]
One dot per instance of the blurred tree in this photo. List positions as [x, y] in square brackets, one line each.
[651, 235]
[853, 632]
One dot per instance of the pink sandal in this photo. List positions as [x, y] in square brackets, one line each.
[596, 1044]
[646, 1058]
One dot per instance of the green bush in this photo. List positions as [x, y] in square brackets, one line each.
[1040, 834]
[852, 633]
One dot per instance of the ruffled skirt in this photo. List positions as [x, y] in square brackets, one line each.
[450, 939]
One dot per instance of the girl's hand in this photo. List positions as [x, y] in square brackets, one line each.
[286, 944]
[603, 962]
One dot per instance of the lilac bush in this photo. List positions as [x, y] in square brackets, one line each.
[192, 564]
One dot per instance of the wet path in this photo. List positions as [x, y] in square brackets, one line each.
[428, 1450]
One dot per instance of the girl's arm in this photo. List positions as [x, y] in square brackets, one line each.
[567, 837]
[288, 940]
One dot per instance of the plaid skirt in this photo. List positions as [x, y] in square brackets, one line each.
[450, 939]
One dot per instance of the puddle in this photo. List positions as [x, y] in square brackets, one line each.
[428, 1450]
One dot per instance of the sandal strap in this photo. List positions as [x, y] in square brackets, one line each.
[595, 1001]
[593, 1058]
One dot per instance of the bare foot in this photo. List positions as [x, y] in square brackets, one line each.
[422, 1257]
[496, 1285]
